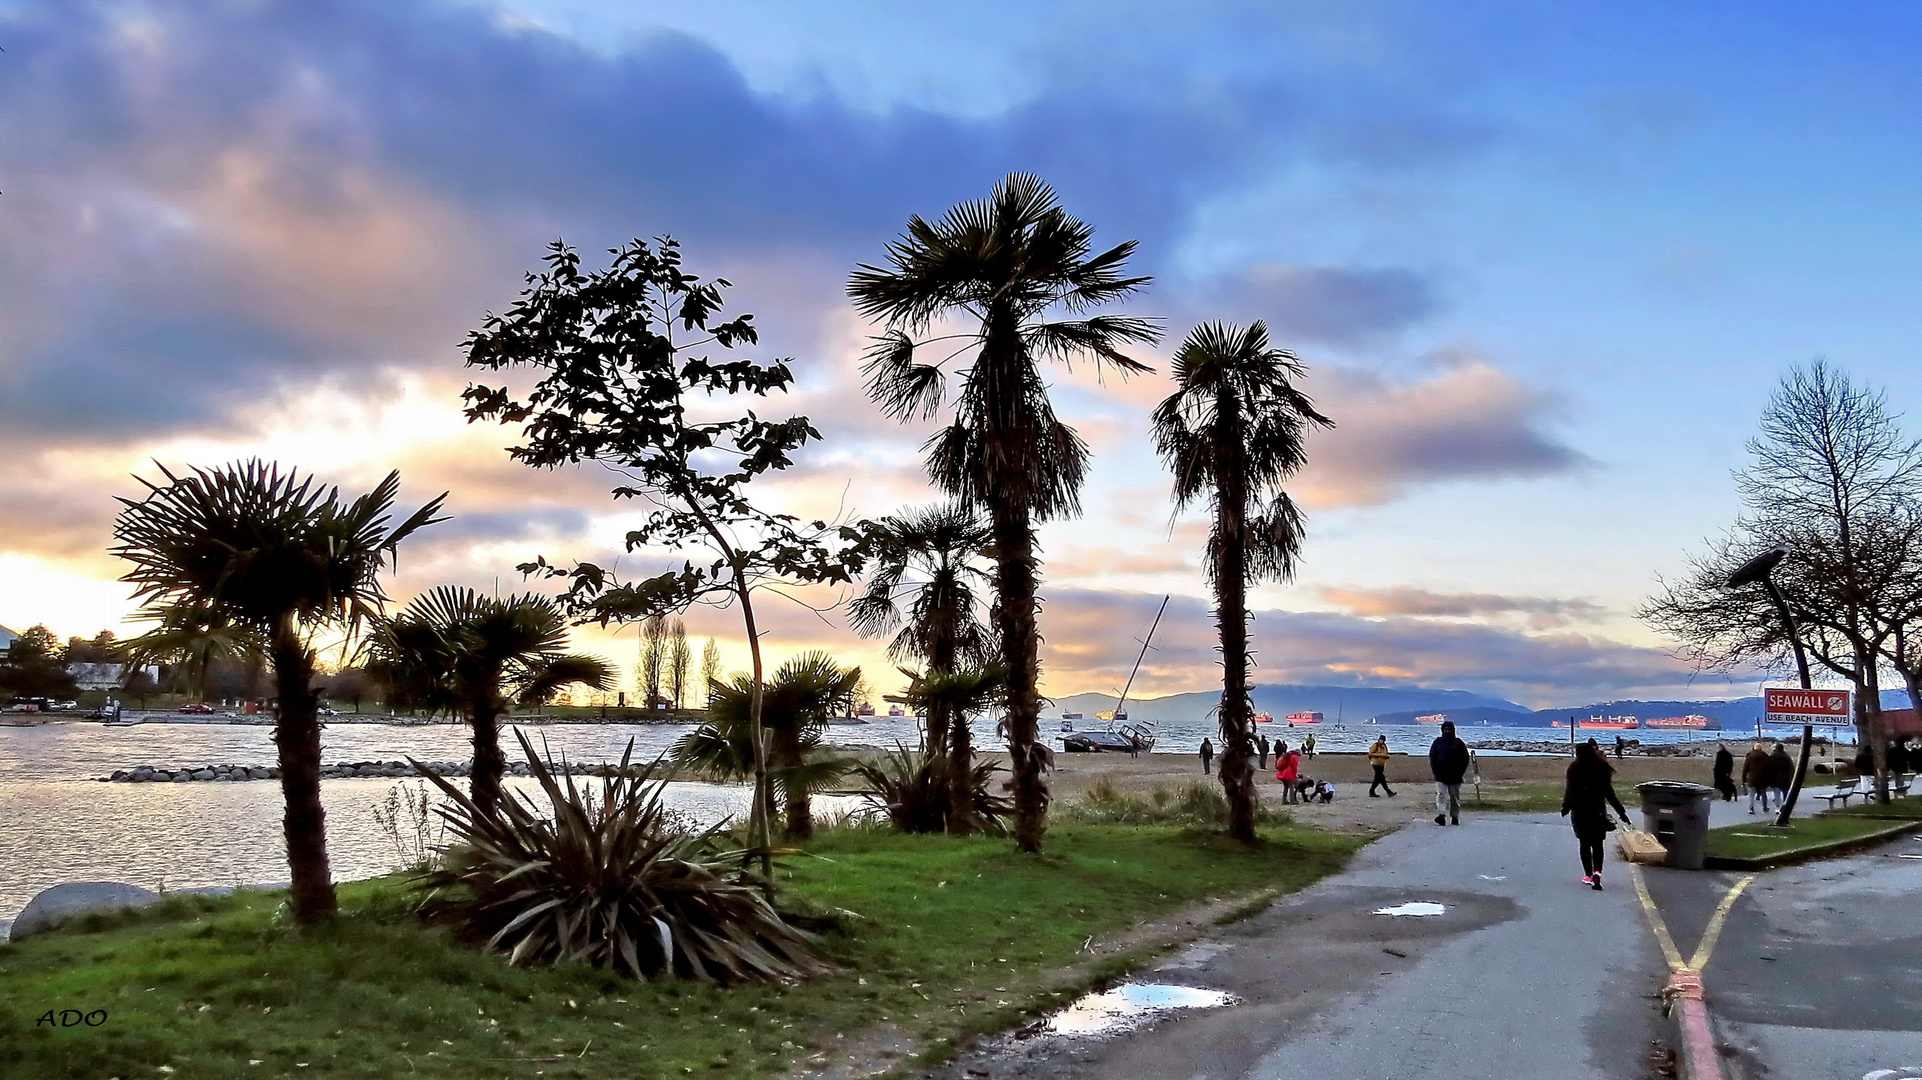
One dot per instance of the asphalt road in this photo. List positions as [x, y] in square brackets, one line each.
[1528, 973]
[1818, 972]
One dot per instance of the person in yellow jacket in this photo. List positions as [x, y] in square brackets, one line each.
[1378, 760]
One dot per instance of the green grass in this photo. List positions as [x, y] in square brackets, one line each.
[940, 937]
[1756, 842]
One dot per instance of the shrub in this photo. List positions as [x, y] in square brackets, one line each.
[612, 882]
[911, 791]
[1196, 805]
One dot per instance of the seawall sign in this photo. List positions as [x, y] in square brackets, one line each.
[1822, 708]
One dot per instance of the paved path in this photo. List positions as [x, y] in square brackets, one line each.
[1528, 974]
[1818, 972]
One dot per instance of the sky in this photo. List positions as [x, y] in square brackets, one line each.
[1544, 262]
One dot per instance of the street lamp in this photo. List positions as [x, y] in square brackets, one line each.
[1756, 571]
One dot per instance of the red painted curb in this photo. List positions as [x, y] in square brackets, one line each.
[1695, 1035]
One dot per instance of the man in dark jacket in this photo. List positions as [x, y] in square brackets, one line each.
[1448, 761]
[1781, 772]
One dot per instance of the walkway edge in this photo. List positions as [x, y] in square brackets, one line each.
[1810, 852]
[1694, 1029]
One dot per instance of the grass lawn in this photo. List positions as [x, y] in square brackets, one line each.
[1757, 841]
[947, 937]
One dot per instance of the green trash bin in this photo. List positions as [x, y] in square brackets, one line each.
[1677, 813]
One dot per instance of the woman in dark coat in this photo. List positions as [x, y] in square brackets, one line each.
[1725, 772]
[1586, 799]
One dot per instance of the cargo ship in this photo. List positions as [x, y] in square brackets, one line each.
[1604, 723]
[1432, 718]
[1294, 718]
[1691, 721]
[1264, 718]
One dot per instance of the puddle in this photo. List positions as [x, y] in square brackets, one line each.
[1907, 856]
[1413, 907]
[1131, 1005]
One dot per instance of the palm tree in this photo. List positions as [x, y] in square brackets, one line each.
[460, 650]
[192, 638]
[1006, 264]
[1233, 432]
[928, 558]
[958, 693]
[795, 705]
[284, 557]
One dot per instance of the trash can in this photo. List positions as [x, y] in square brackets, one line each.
[1677, 813]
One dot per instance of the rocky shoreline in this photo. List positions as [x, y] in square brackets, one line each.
[1634, 748]
[176, 774]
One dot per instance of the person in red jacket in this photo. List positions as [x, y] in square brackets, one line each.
[1287, 770]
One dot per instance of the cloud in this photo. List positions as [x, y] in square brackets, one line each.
[1331, 304]
[1469, 421]
[1407, 600]
[1092, 638]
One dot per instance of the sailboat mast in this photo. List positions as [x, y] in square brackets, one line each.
[1122, 704]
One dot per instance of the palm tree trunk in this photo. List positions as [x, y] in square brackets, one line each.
[786, 754]
[297, 734]
[490, 765]
[961, 778]
[1231, 617]
[1014, 618]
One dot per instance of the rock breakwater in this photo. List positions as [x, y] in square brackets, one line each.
[177, 774]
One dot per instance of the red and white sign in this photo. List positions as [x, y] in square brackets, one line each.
[1823, 708]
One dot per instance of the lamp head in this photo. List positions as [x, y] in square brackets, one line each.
[1757, 570]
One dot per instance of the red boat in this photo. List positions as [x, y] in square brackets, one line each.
[1264, 718]
[1303, 718]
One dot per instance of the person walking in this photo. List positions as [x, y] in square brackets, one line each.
[1587, 795]
[1618, 747]
[1378, 761]
[1207, 755]
[1448, 763]
[1287, 770]
[1755, 777]
[1781, 773]
[1262, 746]
[1724, 772]
[1900, 759]
[1308, 747]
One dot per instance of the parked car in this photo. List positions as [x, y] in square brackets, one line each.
[196, 707]
[64, 706]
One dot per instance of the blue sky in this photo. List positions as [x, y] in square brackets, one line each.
[1545, 262]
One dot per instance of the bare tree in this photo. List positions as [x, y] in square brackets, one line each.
[678, 658]
[710, 670]
[653, 660]
[1829, 480]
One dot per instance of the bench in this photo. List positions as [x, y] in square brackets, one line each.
[1844, 790]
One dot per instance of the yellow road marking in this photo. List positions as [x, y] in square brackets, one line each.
[1710, 936]
[1669, 951]
[1715, 921]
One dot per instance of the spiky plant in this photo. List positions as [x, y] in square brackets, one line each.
[465, 652]
[958, 694]
[282, 556]
[914, 792]
[1233, 432]
[609, 881]
[1025, 272]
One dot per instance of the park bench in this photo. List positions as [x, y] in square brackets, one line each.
[1844, 790]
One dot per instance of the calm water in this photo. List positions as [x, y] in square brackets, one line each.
[57, 824]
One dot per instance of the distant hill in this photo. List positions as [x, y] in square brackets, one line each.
[1350, 704]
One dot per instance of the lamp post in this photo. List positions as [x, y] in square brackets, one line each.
[1756, 571]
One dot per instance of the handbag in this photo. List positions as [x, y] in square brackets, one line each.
[1638, 846]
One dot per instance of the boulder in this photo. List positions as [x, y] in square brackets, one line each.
[181, 777]
[258, 774]
[120, 774]
[203, 774]
[62, 902]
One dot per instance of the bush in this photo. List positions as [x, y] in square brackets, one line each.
[1195, 805]
[612, 882]
[910, 790]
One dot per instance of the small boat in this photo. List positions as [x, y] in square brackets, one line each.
[121, 723]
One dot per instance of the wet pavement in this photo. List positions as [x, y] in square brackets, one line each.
[1818, 972]
[1524, 972]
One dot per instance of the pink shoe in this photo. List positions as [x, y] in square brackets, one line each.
[1588, 879]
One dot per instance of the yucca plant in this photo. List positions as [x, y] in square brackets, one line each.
[914, 792]
[610, 881]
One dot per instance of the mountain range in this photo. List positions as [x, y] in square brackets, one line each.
[1353, 704]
